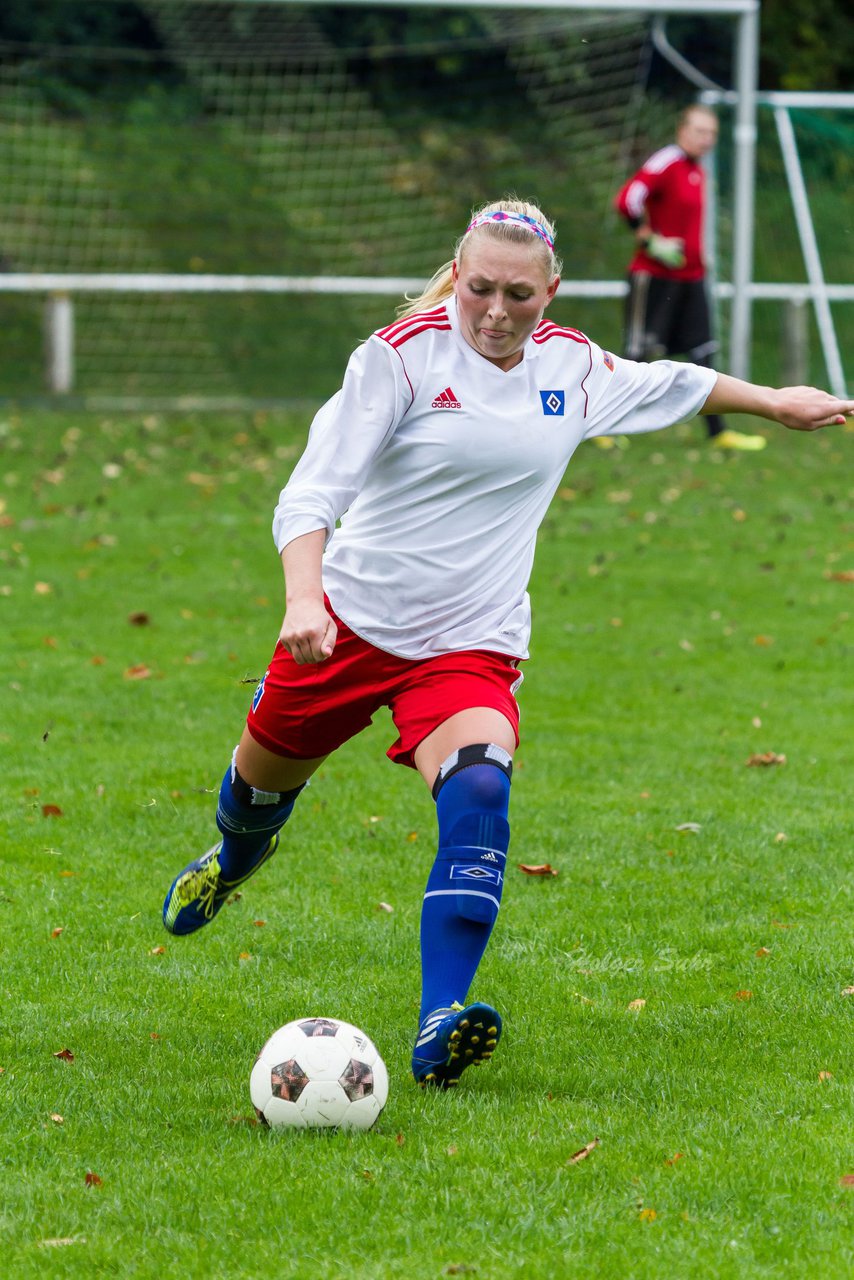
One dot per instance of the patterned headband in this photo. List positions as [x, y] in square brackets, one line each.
[518, 219]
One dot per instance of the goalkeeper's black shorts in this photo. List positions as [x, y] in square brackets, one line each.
[667, 318]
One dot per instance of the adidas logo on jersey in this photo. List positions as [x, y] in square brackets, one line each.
[446, 400]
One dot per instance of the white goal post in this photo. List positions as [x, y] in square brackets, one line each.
[61, 287]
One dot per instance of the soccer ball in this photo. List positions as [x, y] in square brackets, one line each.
[319, 1073]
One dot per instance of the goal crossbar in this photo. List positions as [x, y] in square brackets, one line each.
[696, 8]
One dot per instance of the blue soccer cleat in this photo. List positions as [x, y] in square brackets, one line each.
[451, 1040]
[197, 894]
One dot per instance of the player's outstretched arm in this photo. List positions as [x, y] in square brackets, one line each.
[798, 408]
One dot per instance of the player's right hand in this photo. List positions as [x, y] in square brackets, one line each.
[667, 249]
[307, 632]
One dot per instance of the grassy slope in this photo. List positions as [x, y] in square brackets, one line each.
[191, 197]
[680, 598]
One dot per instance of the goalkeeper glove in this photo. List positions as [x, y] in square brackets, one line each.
[667, 249]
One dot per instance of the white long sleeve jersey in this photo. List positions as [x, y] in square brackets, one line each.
[440, 468]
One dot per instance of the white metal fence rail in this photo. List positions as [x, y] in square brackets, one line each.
[59, 290]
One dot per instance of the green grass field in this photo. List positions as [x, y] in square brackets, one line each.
[691, 610]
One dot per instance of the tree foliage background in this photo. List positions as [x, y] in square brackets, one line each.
[805, 44]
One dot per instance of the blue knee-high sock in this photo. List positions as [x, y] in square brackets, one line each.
[248, 819]
[464, 887]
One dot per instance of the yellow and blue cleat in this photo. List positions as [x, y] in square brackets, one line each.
[196, 895]
[451, 1040]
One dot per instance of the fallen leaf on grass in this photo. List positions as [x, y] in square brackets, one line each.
[765, 758]
[57, 1118]
[847, 1180]
[67, 875]
[778, 924]
[43, 589]
[244, 955]
[139, 618]
[252, 1121]
[848, 991]
[742, 995]
[460, 1269]
[92, 1180]
[825, 1075]
[764, 642]
[647, 1215]
[54, 933]
[65, 1054]
[542, 869]
[385, 906]
[51, 811]
[157, 951]
[138, 672]
[678, 1156]
[259, 924]
[400, 1139]
[584, 1152]
[841, 575]
[763, 952]
[780, 837]
[636, 1004]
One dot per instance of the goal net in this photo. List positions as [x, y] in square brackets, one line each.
[271, 138]
[822, 141]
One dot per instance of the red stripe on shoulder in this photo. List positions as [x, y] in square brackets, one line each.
[413, 333]
[548, 329]
[419, 317]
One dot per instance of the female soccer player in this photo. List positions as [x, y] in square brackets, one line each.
[439, 457]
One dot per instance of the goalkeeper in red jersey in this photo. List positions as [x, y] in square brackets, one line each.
[667, 308]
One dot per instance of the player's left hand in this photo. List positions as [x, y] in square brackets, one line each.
[809, 409]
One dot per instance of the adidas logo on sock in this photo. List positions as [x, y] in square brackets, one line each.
[446, 400]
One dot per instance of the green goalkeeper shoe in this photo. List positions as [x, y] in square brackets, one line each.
[738, 441]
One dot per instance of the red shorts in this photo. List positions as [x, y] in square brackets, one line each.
[306, 711]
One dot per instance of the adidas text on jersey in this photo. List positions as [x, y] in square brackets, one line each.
[446, 400]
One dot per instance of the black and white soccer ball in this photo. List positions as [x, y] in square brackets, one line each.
[319, 1073]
